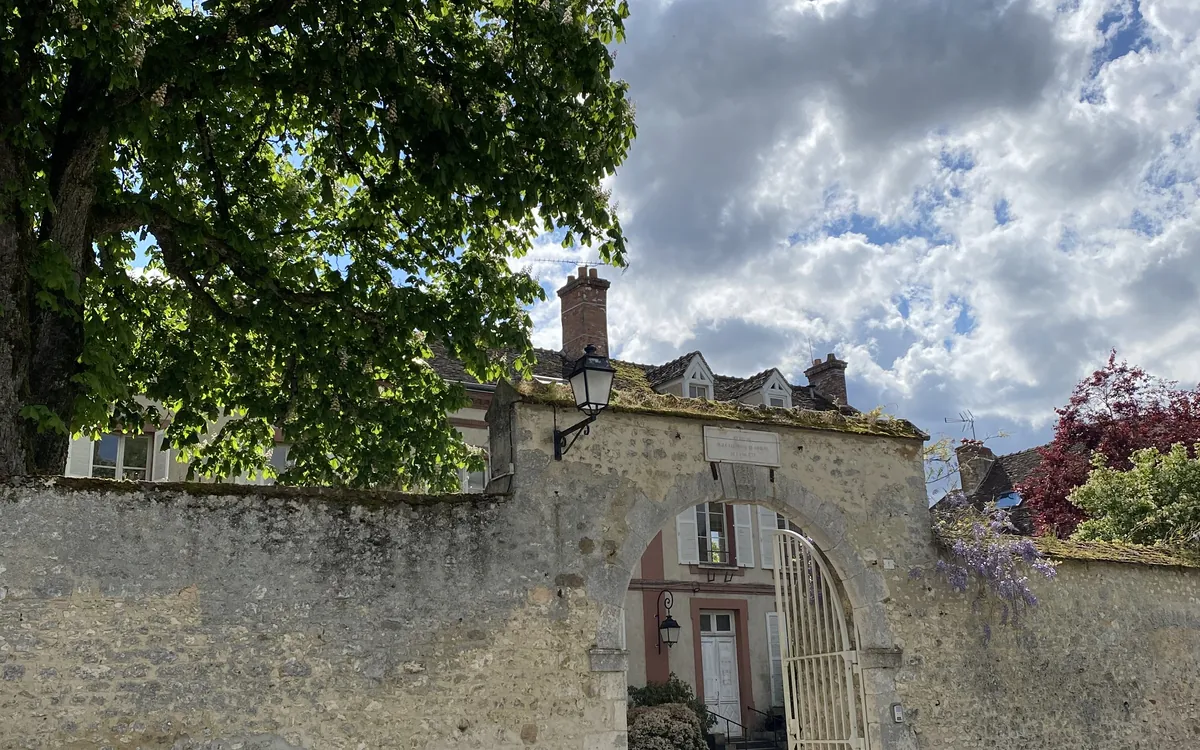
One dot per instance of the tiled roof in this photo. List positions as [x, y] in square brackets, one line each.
[671, 370]
[724, 387]
[1019, 465]
[806, 397]
[750, 384]
[552, 364]
[548, 363]
[1005, 473]
[1003, 476]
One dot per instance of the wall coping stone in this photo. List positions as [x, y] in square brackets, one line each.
[159, 491]
[665, 404]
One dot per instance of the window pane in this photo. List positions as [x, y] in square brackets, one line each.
[279, 458]
[723, 624]
[698, 391]
[104, 472]
[104, 453]
[706, 622]
[776, 401]
[717, 517]
[717, 547]
[134, 473]
[474, 481]
[137, 450]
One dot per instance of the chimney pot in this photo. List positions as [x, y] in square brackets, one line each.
[816, 362]
[584, 302]
[831, 358]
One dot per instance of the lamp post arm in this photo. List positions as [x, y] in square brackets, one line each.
[561, 446]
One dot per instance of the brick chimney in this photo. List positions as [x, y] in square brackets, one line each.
[584, 313]
[829, 378]
[974, 461]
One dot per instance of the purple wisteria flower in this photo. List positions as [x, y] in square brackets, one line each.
[981, 545]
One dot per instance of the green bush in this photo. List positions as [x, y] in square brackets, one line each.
[669, 726]
[1157, 501]
[673, 691]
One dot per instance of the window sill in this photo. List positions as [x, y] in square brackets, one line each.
[706, 568]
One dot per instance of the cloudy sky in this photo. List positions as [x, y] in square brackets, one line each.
[972, 201]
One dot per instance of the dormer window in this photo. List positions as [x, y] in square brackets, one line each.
[777, 392]
[698, 379]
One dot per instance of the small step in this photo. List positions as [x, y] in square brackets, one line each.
[756, 744]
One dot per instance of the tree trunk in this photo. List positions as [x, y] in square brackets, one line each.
[40, 347]
[16, 244]
[57, 336]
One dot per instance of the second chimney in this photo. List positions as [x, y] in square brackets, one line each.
[584, 313]
[829, 378]
[974, 461]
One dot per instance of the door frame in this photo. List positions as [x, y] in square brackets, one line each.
[740, 608]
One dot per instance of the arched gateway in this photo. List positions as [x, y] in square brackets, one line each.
[855, 496]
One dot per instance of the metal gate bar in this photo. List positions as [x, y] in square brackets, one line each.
[823, 699]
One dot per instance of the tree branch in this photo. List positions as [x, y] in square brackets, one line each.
[220, 194]
[258, 279]
[163, 228]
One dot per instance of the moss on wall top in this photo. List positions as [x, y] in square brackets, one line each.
[645, 401]
[1067, 549]
[334, 496]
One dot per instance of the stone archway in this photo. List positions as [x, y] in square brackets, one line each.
[863, 586]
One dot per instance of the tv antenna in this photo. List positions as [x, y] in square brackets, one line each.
[966, 419]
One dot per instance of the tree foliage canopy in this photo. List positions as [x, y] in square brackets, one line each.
[1157, 501]
[319, 190]
[1112, 413]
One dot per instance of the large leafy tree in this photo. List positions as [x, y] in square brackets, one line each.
[1157, 501]
[1112, 413]
[268, 211]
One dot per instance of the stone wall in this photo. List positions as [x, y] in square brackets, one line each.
[166, 618]
[210, 616]
[1107, 660]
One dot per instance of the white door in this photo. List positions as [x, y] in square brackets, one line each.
[718, 649]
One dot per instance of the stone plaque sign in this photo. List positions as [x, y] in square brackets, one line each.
[741, 446]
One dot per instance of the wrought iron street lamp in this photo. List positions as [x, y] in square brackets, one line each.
[668, 629]
[591, 384]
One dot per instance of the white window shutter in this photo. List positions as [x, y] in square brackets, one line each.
[79, 458]
[767, 523]
[776, 658]
[160, 459]
[685, 537]
[743, 527]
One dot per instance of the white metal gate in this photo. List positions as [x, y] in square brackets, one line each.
[821, 686]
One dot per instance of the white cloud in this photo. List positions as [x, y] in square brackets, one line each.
[833, 172]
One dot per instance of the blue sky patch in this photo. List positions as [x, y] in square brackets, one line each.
[961, 160]
[1144, 225]
[965, 322]
[1124, 31]
[1002, 211]
[870, 227]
